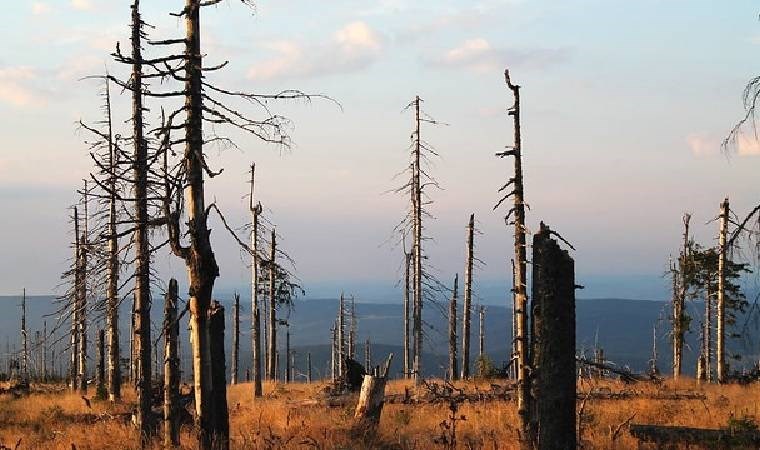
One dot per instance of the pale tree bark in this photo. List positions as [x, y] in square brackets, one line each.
[467, 310]
[333, 351]
[171, 367]
[24, 342]
[407, 352]
[75, 306]
[352, 331]
[112, 290]
[308, 367]
[235, 339]
[101, 368]
[341, 337]
[367, 356]
[679, 302]
[142, 345]
[44, 352]
[453, 372]
[482, 336]
[83, 255]
[272, 307]
[255, 209]
[521, 297]
[417, 244]
[288, 378]
[707, 332]
[722, 371]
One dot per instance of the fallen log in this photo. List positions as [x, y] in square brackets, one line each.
[712, 438]
[624, 374]
[628, 395]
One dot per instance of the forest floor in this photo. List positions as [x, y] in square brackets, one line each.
[54, 418]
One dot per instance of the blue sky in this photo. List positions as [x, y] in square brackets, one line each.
[625, 104]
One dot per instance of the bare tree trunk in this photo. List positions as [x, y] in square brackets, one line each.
[521, 297]
[333, 351]
[371, 398]
[417, 245]
[341, 337]
[721, 312]
[272, 306]
[553, 356]
[112, 290]
[101, 373]
[467, 310]
[44, 352]
[707, 332]
[24, 342]
[288, 378]
[235, 339]
[482, 338]
[171, 367]
[407, 352]
[255, 209]
[352, 331]
[680, 299]
[453, 372]
[84, 255]
[367, 356]
[76, 303]
[220, 413]
[308, 367]
[513, 341]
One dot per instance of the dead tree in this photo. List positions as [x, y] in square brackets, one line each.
[482, 335]
[75, 306]
[367, 356]
[407, 352]
[707, 332]
[288, 378]
[272, 306]
[44, 352]
[517, 212]
[553, 343]
[722, 371]
[24, 342]
[220, 412]
[417, 243]
[308, 367]
[82, 327]
[341, 333]
[371, 398]
[467, 311]
[453, 372]
[255, 209]
[101, 367]
[171, 367]
[679, 319]
[235, 339]
[351, 350]
[333, 351]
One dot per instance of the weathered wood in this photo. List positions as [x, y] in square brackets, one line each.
[84, 256]
[453, 372]
[367, 355]
[708, 438]
[679, 300]
[407, 350]
[482, 331]
[235, 339]
[417, 245]
[112, 289]
[220, 437]
[372, 396]
[24, 342]
[341, 353]
[467, 307]
[720, 352]
[171, 367]
[255, 209]
[271, 372]
[553, 343]
[75, 303]
[100, 378]
[308, 367]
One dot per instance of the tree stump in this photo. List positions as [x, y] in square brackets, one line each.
[371, 398]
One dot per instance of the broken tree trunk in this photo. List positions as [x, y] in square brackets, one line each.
[171, 368]
[272, 305]
[255, 209]
[371, 398]
[220, 414]
[83, 255]
[453, 372]
[235, 339]
[521, 297]
[721, 307]
[553, 343]
[467, 310]
[679, 298]
[674, 435]
[367, 356]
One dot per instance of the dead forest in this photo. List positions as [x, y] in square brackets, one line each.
[92, 378]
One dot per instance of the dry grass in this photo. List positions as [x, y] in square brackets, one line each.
[56, 420]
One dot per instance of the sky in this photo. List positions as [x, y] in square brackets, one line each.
[624, 105]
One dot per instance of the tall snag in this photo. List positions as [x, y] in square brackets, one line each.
[467, 311]
[720, 352]
[453, 372]
[679, 300]
[255, 209]
[235, 339]
[407, 350]
[171, 367]
[521, 298]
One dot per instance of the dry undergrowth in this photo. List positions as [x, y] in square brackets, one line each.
[282, 421]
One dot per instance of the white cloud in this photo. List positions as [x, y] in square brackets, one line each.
[353, 47]
[480, 56]
[81, 5]
[748, 146]
[702, 145]
[16, 87]
[39, 8]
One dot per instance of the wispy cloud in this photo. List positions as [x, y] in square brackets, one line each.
[82, 5]
[17, 87]
[39, 8]
[351, 48]
[702, 145]
[480, 56]
[748, 146]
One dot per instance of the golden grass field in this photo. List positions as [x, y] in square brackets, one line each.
[281, 421]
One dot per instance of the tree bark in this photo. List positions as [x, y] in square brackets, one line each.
[407, 352]
[255, 209]
[101, 373]
[721, 307]
[453, 372]
[679, 302]
[367, 356]
[482, 336]
[417, 245]
[553, 355]
[371, 398]
[171, 367]
[707, 332]
[521, 297]
[76, 303]
[467, 310]
[235, 339]
[220, 413]
[112, 290]
[83, 255]
[288, 378]
[272, 305]
[24, 342]
[341, 337]
[308, 367]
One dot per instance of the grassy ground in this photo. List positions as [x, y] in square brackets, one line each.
[55, 420]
